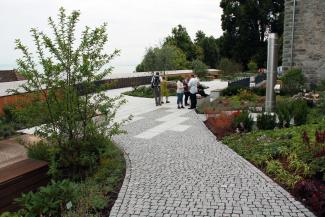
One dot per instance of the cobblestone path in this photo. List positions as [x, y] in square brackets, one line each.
[177, 168]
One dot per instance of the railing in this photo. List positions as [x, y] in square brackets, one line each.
[245, 82]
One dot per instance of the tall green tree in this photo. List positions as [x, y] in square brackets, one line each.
[246, 24]
[181, 39]
[210, 49]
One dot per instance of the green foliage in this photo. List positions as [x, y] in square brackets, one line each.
[321, 103]
[229, 66]
[246, 95]
[199, 68]
[299, 112]
[293, 81]
[141, 91]
[243, 42]
[64, 69]
[181, 39]
[9, 214]
[6, 130]
[210, 48]
[243, 122]
[94, 194]
[252, 66]
[275, 169]
[231, 90]
[266, 121]
[39, 151]
[283, 111]
[48, 201]
[167, 57]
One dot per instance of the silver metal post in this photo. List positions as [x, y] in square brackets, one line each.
[272, 65]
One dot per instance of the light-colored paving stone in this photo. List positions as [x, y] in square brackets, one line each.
[189, 173]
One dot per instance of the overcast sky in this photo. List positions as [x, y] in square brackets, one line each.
[133, 25]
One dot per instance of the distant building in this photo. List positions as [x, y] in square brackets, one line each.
[304, 38]
[10, 75]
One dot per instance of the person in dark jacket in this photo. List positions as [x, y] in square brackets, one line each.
[186, 91]
[155, 84]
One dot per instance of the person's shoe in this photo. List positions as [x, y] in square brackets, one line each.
[186, 104]
[178, 107]
[167, 102]
[190, 108]
[162, 102]
[182, 107]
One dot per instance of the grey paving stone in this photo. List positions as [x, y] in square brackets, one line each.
[190, 173]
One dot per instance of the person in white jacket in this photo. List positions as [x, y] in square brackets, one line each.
[180, 94]
[192, 84]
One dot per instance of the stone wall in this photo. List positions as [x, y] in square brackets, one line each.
[308, 51]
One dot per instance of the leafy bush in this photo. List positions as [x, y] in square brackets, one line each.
[39, 151]
[246, 95]
[48, 201]
[283, 111]
[300, 112]
[76, 160]
[231, 90]
[229, 66]
[275, 169]
[259, 91]
[252, 66]
[243, 122]
[6, 130]
[141, 91]
[293, 81]
[266, 121]
[199, 68]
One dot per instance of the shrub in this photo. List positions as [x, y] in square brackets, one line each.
[243, 122]
[199, 68]
[300, 112]
[252, 66]
[76, 160]
[229, 66]
[6, 130]
[293, 81]
[231, 90]
[266, 121]
[141, 91]
[39, 151]
[260, 91]
[283, 111]
[246, 95]
[48, 201]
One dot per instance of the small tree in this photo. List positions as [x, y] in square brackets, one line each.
[199, 68]
[64, 80]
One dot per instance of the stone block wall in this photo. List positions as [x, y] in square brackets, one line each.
[308, 28]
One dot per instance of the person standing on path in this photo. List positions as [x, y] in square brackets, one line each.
[155, 84]
[192, 84]
[180, 93]
[164, 89]
[186, 91]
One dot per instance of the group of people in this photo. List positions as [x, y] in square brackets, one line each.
[188, 87]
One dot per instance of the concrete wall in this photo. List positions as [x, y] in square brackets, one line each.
[309, 38]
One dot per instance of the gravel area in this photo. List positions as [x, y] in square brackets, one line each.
[190, 173]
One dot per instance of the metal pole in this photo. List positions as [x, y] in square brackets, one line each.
[293, 31]
[272, 65]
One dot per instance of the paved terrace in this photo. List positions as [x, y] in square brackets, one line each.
[176, 167]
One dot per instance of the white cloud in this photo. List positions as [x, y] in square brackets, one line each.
[133, 24]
